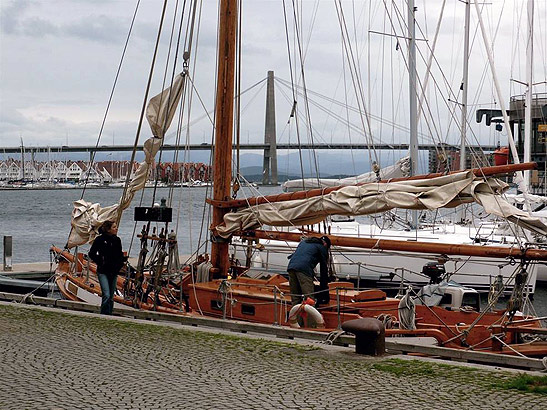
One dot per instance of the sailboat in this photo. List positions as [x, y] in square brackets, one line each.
[366, 266]
[217, 285]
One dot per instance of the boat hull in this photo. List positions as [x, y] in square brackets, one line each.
[387, 269]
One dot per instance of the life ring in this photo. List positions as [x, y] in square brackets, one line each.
[308, 314]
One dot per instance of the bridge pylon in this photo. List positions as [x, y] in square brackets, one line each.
[269, 168]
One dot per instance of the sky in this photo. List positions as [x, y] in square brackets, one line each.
[59, 58]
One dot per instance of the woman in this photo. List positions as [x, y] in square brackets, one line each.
[106, 252]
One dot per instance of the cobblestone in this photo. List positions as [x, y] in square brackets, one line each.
[52, 360]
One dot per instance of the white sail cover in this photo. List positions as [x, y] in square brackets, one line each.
[398, 170]
[441, 192]
[87, 217]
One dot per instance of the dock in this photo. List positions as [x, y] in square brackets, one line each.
[78, 359]
[29, 277]
[394, 345]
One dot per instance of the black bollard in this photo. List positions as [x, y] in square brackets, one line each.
[370, 335]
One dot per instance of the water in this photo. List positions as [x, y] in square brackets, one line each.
[37, 219]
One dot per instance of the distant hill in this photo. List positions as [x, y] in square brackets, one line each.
[254, 174]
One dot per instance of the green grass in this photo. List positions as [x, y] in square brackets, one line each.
[401, 367]
[496, 381]
[527, 383]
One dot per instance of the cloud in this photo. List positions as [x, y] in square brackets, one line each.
[9, 18]
[17, 21]
[37, 27]
[10, 119]
[99, 28]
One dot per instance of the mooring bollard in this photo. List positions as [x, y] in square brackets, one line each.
[8, 252]
[370, 335]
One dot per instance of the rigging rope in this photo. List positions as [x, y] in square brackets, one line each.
[143, 110]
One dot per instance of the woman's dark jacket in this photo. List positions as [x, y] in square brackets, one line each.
[106, 252]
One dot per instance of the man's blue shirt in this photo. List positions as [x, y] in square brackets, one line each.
[307, 255]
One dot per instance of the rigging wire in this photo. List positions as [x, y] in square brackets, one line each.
[353, 65]
[120, 64]
[304, 86]
[111, 94]
[145, 101]
[294, 106]
[169, 96]
[187, 98]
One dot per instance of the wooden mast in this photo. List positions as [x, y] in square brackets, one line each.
[222, 168]
[289, 196]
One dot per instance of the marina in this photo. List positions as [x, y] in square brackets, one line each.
[345, 274]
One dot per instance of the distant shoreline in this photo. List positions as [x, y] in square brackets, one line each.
[56, 188]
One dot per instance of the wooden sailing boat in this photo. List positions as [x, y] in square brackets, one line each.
[231, 292]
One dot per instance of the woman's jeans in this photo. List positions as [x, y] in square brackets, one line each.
[108, 288]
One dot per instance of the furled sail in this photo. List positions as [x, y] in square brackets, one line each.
[398, 170]
[87, 216]
[442, 192]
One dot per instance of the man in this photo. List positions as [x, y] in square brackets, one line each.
[303, 261]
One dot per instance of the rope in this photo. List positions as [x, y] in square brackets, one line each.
[407, 311]
[506, 345]
[30, 295]
[333, 336]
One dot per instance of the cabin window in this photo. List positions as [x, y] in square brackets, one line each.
[248, 309]
[472, 300]
[216, 304]
[446, 299]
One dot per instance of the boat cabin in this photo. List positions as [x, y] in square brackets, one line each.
[459, 297]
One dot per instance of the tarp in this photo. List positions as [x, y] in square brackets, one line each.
[398, 170]
[87, 217]
[432, 294]
[442, 192]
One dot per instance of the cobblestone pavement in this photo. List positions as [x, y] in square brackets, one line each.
[52, 360]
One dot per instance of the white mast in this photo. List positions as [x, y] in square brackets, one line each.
[528, 97]
[514, 153]
[465, 84]
[413, 146]
[518, 179]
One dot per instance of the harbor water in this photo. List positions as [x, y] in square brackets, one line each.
[38, 219]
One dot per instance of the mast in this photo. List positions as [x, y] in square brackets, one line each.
[528, 98]
[22, 159]
[465, 80]
[514, 153]
[498, 170]
[222, 170]
[465, 84]
[413, 145]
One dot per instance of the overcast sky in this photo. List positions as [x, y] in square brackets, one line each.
[59, 59]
